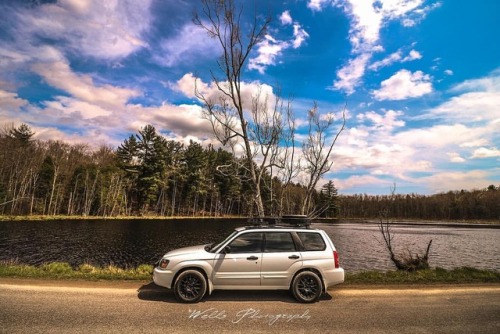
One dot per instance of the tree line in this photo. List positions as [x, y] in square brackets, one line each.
[451, 205]
[146, 175]
[150, 175]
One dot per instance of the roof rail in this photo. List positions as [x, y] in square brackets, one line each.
[289, 220]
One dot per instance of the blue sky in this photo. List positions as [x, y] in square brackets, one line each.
[421, 79]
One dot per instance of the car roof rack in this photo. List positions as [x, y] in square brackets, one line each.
[283, 221]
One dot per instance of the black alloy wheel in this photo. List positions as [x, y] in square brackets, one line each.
[190, 286]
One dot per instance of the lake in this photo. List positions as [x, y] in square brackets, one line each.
[128, 243]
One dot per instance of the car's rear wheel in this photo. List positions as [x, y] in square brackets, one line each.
[307, 287]
[190, 286]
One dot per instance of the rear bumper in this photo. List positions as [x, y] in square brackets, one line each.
[333, 277]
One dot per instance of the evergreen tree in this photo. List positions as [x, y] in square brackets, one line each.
[329, 200]
[23, 133]
[143, 158]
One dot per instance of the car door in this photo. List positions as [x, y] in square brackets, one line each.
[280, 259]
[238, 265]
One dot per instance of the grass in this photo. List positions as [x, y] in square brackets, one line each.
[62, 270]
[428, 276]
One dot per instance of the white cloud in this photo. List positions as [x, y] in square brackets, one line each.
[249, 90]
[446, 181]
[389, 60]
[300, 35]
[387, 121]
[448, 72]
[10, 101]
[109, 29]
[484, 152]
[361, 182]
[59, 75]
[317, 5]
[403, 85]
[455, 157]
[190, 44]
[76, 108]
[285, 18]
[413, 55]
[350, 75]
[478, 101]
[367, 19]
[268, 50]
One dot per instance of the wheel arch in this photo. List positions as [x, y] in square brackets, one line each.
[199, 268]
[314, 270]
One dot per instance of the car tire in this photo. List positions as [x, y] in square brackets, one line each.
[307, 287]
[190, 286]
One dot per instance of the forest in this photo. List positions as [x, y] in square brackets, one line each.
[148, 175]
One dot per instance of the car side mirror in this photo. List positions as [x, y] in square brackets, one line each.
[226, 250]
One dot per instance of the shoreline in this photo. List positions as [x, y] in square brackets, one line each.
[475, 223]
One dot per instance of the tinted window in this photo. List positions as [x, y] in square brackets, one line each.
[279, 242]
[312, 241]
[247, 243]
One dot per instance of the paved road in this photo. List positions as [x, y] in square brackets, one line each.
[127, 308]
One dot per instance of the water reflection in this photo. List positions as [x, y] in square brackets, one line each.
[128, 243]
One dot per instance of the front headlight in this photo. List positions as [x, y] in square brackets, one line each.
[163, 263]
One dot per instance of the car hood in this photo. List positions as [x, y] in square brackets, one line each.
[200, 249]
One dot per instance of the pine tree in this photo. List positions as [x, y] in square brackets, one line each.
[143, 158]
[329, 200]
[23, 133]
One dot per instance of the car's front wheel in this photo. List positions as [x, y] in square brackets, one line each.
[307, 287]
[190, 286]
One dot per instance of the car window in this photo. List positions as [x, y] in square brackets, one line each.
[312, 241]
[279, 242]
[247, 243]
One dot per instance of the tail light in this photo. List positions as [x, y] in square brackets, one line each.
[336, 259]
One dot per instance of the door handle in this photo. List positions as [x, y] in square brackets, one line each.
[293, 257]
[252, 258]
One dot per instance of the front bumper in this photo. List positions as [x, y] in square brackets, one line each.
[163, 277]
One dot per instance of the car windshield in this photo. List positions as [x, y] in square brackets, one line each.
[216, 247]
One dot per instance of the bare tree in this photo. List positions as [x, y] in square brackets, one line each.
[317, 150]
[256, 131]
[406, 261]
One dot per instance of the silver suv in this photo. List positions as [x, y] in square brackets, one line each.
[300, 259]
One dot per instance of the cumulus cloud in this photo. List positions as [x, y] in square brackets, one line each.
[367, 19]
[286, 18]
[455, 157]
[109, 29]
[210, 91]
[404, 84]
[484, 152]
[270, 48]
[60, 75]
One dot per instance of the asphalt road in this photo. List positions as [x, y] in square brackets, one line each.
[76, 307]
